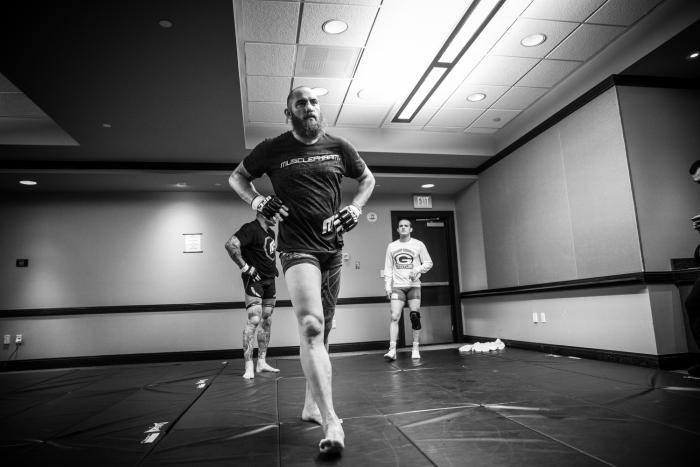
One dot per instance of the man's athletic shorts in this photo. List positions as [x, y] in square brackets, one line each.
[330, 265]
[405, 293]
[263, 289]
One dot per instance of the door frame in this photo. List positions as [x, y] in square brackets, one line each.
[455, 306]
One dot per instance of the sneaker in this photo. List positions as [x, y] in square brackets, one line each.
[391, 354]
[415, 353]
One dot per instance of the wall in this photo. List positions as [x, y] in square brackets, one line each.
[103, 249]
[560, 207]
[610, 318]
[472, 259]
[662, 137]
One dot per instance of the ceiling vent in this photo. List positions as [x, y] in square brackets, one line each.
[326, 62]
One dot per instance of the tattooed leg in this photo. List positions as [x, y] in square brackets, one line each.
[264, 339]
[254, 310]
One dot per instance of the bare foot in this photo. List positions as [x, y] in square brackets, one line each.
[334, 441]
[311, 413]
[249, 373]
[263, 366]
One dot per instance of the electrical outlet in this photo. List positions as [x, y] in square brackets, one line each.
[18, 339]
[6, 339]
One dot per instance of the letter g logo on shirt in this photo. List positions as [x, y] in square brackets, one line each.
[403, 258]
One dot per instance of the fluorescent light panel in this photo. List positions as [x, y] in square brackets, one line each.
[426, 87]
[467, 30]
[470, 26]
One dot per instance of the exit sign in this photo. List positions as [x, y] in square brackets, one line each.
[422, 201]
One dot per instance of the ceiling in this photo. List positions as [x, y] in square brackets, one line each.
[142, 95]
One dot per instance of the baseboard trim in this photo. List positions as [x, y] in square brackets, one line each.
[662, 362]
[168, 357]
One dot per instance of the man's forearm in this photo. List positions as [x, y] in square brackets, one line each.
[364, 189]
[234, 251]
[242, 184]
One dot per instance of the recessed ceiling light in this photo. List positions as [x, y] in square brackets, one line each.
[693, 55]
[334, 26]
[428, 185]
[181, 184]
[164, 23]
[477, 96]
[27, 182]
[320, 91]
[533, 40]
[106, 125]
[369, 93]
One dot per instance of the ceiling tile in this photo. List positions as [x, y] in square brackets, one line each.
[371, 95]
[585, 42]
[356, 2]
[510, 44]
[454, 117]
[6, 85]
[622, 12]
[337, 88]
[268, 88]
[501, 71]
[547, 73]
[326, 62]
[266, 112]
[358, 18]
[562, 10]
[330, 113]
[494, 118]
[269, 59]
[269, 21]
[519, 98]
[34, 132]
[481, 131]
[444, 129]
[459, 98]
[17, 104]
[362, 115]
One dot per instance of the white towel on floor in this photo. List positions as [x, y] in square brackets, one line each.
[483, 346]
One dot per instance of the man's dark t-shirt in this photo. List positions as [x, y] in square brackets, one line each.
[258, 247]
[307, 178]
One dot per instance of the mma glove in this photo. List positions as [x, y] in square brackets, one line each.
[251, 272]
[347, 218]
[268, 206]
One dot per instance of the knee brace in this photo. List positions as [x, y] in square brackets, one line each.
[415, 320]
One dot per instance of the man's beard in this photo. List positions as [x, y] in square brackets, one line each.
[308, 128]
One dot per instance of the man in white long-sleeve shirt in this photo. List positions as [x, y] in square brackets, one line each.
[406, 259]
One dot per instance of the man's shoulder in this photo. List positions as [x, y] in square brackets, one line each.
[275, 140]
[417, 242]
[330, 138]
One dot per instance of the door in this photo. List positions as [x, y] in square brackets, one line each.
[439, 318]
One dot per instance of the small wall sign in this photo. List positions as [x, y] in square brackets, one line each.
[193, 243]
[422, 201]
[371, 217]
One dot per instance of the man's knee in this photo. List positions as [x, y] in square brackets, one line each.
[267, 313]
[311, 326]
[415, 320]
[254, 311]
